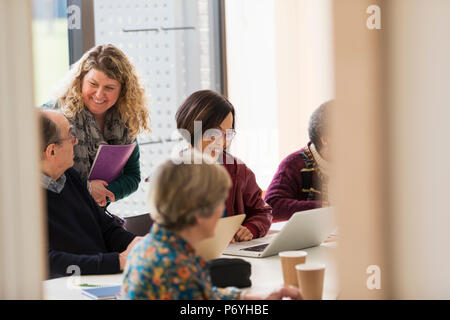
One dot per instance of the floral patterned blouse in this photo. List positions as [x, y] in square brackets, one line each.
[164, 266]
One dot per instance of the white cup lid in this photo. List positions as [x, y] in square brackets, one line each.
[310, 266]
[293, 254]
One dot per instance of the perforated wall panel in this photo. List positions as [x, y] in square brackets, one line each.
[169, 43]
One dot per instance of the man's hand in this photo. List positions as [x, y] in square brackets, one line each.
[100, 193]
[124, 255]
[243, 234]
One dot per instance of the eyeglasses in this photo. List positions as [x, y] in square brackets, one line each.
[72, 138]
[229, 134]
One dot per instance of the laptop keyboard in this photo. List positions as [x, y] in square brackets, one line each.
[257, 248]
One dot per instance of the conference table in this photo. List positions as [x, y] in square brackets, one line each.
[266, 275]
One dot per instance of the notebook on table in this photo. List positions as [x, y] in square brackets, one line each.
[102, 293]
[303, 230]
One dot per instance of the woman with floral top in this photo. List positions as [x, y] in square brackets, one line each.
[187, 199]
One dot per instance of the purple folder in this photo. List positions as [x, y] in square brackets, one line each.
[109, 161]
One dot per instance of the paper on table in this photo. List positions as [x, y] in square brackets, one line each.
[277, 226]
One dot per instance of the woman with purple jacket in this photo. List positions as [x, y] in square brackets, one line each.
[206, 120]
[301, 180]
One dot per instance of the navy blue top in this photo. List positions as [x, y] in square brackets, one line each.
[80, 233]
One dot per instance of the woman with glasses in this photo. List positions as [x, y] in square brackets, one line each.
[207, 121]
[105, 103]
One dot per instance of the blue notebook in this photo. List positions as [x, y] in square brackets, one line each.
[102, 293]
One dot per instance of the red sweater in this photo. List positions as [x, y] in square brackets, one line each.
[285, 193]
[245, 197]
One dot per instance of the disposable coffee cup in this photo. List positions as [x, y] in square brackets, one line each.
[289, 259]
[310, 280]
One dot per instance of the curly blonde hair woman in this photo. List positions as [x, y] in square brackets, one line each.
[105, 103]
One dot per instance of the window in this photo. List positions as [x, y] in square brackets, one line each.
[176, 48]
[50, 46]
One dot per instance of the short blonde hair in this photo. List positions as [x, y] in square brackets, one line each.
[180, 192]
[132, 101]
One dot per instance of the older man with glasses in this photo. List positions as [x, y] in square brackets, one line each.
[301, 181]
[80, 234]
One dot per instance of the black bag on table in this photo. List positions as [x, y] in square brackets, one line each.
[233, 272]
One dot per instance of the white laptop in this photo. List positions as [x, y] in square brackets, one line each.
[303, 230]
[226, 228]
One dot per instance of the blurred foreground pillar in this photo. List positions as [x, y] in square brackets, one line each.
[22, 235]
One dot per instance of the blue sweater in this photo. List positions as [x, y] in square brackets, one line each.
[80, 233]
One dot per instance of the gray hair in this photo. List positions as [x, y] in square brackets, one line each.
[182, 191]
[50, 132]
[318, 124]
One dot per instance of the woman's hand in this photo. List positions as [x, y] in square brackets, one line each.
[100, 193]
[243, 234]
[285, 292]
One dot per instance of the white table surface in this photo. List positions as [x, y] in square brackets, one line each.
[266, 276]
